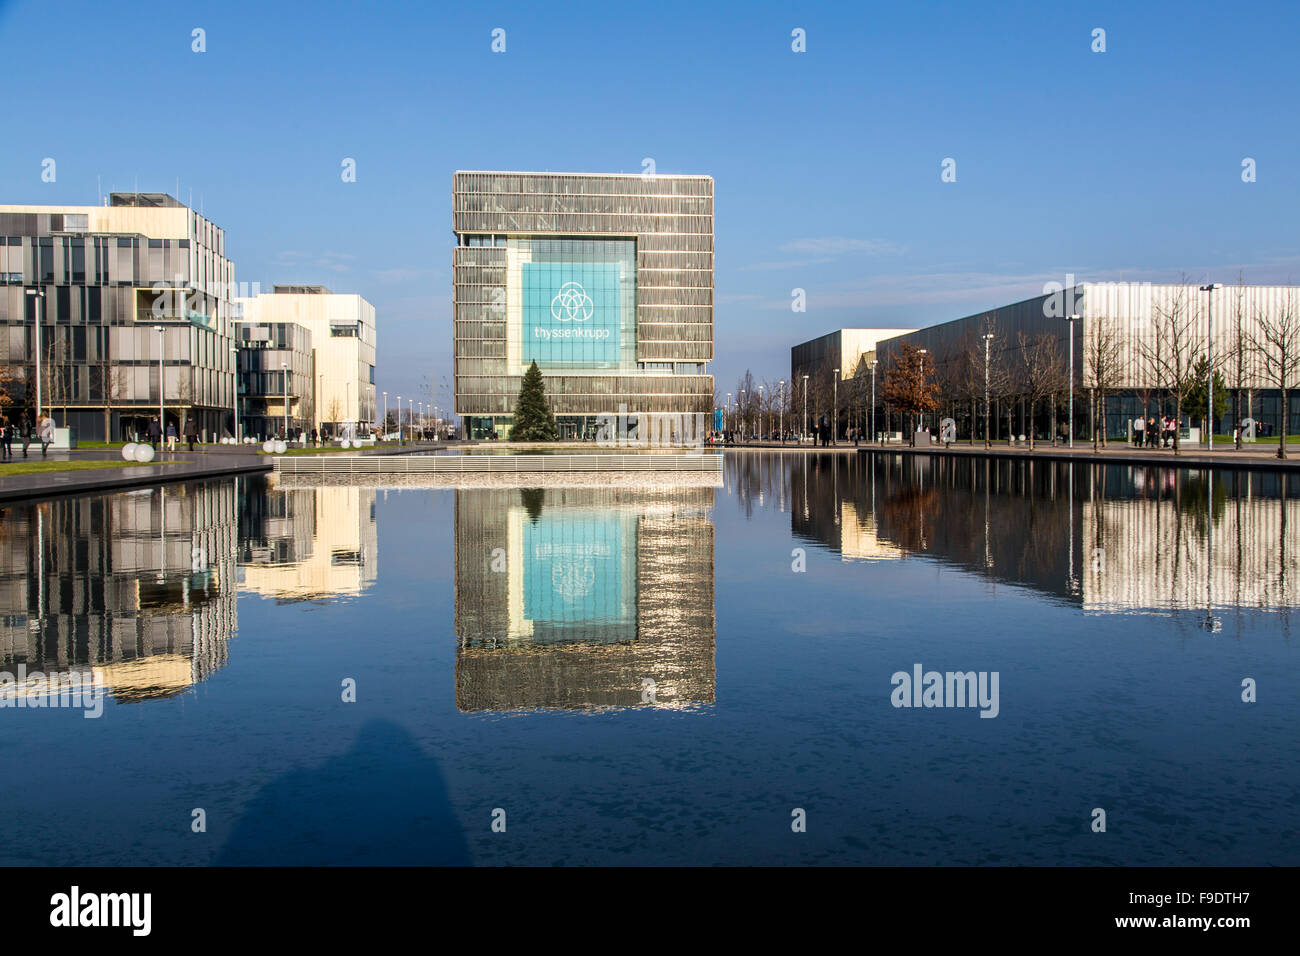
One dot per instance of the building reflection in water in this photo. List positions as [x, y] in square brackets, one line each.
[1107, 538]
[584, 598]
[307, 543]
[135, 587]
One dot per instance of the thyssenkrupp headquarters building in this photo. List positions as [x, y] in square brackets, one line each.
[605, 281]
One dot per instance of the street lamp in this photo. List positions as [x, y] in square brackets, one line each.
[399, 419]
[1072, 319]
[921, 354]
[284, 376]
[988, 337]
[384, 426]
[804, 429]
[728, 421]
[874, 362]
[1209, 366]
[234, 399]
[38, 305]
[760, 413]
[162, 418]
[781, 410]
[835, 408]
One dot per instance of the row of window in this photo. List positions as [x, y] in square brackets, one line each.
[471, 381]
[578, 185]
[569, 223]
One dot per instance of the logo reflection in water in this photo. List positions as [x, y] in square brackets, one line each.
[581, 599]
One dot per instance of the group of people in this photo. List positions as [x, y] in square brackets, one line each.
[25, 431]
[1155, 430]
[156, 433]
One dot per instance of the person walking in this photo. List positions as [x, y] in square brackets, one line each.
[191, 431]
[155, 432]
[25, 432]
[6, 438]
[46, 434]
[171, 437]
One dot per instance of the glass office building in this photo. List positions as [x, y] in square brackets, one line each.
[605, 281]
[277, 373]
[105, 279]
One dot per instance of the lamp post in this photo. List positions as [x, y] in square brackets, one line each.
[1209, 365]
[234, 398]
[38, 296]
[988, 338]
[781, 410]
[835, 408]
[399, 419]
[728, 421]
[921, 354]
[760, 413]
[1072, 319]
[284, 376]
[162, 419]
[384, 426]
[740, 405]
[874, 362]
[804, 429]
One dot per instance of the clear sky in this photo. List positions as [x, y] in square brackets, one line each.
[1122, 164]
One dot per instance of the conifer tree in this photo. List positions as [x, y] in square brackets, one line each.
[533, 419]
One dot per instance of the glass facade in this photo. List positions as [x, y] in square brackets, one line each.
[577, 302]
[605, 281]
[102, 286]
[267, 387]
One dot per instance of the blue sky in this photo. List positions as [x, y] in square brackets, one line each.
[1123, 164]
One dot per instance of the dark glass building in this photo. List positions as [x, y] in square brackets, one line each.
[605, 281]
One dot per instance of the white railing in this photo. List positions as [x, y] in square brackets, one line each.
[490, 464]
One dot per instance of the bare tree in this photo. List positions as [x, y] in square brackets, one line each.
[1039, 370]
[1275, 343]
[1168, 352]
[968, 377]
[112, 385]
[1236, 362]
[54, 374]
[1101, 353]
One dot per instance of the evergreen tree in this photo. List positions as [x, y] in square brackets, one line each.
[533, 419]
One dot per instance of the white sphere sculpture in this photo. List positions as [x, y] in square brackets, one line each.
[281, 447]
[128, 451]
[345, 443]
[268, 446]
[143, 452]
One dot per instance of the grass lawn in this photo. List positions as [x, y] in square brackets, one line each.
[42, 467]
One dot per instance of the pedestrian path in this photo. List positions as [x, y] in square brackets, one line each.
[206, 461]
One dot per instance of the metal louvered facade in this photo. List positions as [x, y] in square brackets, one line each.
[642, 244]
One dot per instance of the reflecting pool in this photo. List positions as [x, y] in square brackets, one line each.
[321, 670]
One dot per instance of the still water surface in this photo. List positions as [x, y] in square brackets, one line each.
[660, 674]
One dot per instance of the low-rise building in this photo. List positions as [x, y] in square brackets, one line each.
[342, 329]
[277, 380]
